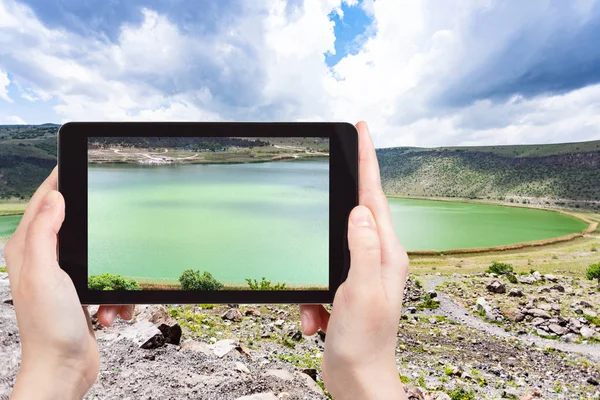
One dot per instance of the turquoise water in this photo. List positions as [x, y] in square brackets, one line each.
[271, 219]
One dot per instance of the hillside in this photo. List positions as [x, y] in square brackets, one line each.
[27, 155]
[555, 173]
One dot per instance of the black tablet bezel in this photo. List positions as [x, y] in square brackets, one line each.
[72, 183]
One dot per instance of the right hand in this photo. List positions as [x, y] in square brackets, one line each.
[359, 360]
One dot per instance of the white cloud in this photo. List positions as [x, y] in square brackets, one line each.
[4, 82]
[268, 63]
[12, 120]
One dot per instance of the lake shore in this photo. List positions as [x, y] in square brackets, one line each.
[148, 285]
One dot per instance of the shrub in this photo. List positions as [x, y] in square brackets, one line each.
[427, 303]
[194, 280]
[461, 394]
[593, 272]
[264, 284]
[500, 268]
[2, 269]
[512, 278]
[108, 281]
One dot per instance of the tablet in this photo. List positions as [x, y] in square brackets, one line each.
[206, 212]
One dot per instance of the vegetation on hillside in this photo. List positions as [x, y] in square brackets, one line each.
[559, 172]
[108, 281]
[27, 155]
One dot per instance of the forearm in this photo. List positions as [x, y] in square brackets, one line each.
[368, 385]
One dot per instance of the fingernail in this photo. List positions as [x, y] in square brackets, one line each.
[126, 314]
[111, 314]
[361, 216]
[50, 200]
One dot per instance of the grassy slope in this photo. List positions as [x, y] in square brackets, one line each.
[27, 155]
[556, 171]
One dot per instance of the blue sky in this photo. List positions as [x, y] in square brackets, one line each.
[421, 72]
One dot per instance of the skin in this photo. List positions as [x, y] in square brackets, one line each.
[359, 360]
[60, 356]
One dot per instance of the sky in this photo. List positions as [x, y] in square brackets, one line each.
[420, 72]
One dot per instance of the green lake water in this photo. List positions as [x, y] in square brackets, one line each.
[252, 220]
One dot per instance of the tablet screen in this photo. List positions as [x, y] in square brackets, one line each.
[208, 213]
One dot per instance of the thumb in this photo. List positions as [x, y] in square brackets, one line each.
[365, 248]
[41, 240]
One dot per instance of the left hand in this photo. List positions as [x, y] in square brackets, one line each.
[60, 356]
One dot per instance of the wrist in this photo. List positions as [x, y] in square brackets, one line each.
[368, 383]
[40, 381]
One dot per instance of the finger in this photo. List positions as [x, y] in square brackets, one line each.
[15, 247]
[371, 195]
[48, 185]
[107, 314]
[126, 312]
[311, 318]
[40, 238]
[365, 249]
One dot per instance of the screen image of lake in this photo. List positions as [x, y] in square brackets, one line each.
[235, 221]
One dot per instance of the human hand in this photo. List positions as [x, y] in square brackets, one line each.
[59, 352]
[359, 360]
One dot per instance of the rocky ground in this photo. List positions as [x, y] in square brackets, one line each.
[445, 350]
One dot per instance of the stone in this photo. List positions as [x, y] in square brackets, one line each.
[309, 382]
[557, 329]
[296, 335]
[558, 288]
[413, 393]
[592, 381]
[196, 346]
[281, 374]
[514, 314]
[496, 287]
[537, 321]
[411, 310]
[515, 293]
[587, 332]
[537, 276]
[233, 314]
[145, 334]
[551, 278]
[527, 279]
[575, 323]
[568, 338]
[223, 347]
[532, 394]
[432, 293]
[536, 312]
[166, 324]
[590, 314]
[545, 307]
[310, 372]
[241, 367]
[259, 396]
[252, 312]
[279, 322]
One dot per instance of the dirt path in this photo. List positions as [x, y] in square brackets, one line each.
[458, 313]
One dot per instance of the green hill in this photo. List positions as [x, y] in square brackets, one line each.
[27, 155]
[552, 174]
[556, 173]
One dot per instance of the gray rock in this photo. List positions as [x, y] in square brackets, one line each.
[515, 293]
[514, 314]
[233, 314]
[309, 382]
[196, 346]
[557, 329]
[568, 338]
[537, 276]
[166, 324]
[527, 279]
[496, 287]
[223, 347]
[282, 374]
[259, 396]
[241, 367]
[551, 278]
[587, 332]
[144, 334]
[536, 312]
[590, 313]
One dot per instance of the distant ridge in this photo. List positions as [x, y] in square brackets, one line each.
[558, 175]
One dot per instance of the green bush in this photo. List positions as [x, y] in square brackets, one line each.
[512, 278]
[194, 280]
[461, 394]
[500, 268]
[2, 269]
[111, 282]
[593, 272]
[264, 284]
[427, 303]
